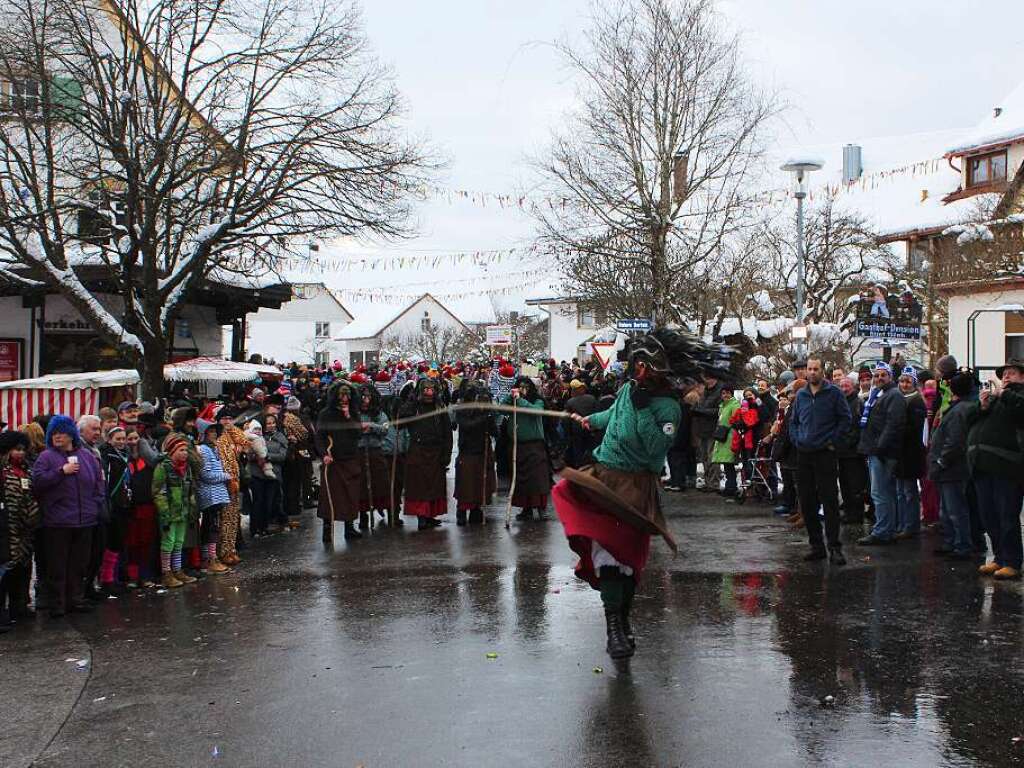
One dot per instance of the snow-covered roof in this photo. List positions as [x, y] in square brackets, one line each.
[370, 319]
[1003, 124]
[120, 377]
[216, 369]
[902, 186]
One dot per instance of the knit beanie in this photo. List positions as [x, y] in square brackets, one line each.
[292, 403]
[961, 384]
[946, 366]
[172, 442]
[13, 439]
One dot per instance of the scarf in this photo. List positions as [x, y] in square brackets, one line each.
[868, 405]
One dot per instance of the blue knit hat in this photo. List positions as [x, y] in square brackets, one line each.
[65, 425]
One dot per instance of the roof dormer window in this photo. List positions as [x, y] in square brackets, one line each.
[985, 170]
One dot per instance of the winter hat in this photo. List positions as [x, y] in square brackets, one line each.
[66, 426]
[13, 439]
[880, 366]
[507, 371]
[254, 428]
[576, 384]
[292, 404]
[909, 372]
[359, 378]
[946, 366]
[257, 392]
[961, 384]
[228, 412]
[127, 405]
[173, 442]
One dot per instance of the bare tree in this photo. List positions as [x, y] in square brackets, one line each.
[438, 343]
[168, 142]
[652, 172]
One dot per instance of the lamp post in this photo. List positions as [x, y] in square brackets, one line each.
[800, 168]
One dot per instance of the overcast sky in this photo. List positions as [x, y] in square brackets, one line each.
[484, 87]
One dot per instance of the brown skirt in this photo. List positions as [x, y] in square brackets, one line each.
[533, 472]
[425, 473]
[632, 497]
[375, 494]
[474, 484]
[339, 485]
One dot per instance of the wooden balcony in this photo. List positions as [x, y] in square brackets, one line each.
[981, 261]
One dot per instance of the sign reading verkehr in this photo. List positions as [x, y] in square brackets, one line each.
[634, 325]
[885, 329]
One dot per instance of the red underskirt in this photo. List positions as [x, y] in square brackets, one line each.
[583, 525]
[432, 508]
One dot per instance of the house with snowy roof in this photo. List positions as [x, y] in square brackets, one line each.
[380, 328]
[303, 330]
[50, 282]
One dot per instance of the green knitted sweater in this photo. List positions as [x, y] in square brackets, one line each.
[636, 440]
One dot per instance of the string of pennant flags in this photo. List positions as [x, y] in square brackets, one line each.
[315, 262]
[379, 296]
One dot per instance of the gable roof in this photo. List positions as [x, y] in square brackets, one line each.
[377, 318]
[1003, 125]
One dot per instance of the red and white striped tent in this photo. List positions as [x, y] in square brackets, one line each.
[72, 394]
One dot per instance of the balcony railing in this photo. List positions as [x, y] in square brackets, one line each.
[955, 264]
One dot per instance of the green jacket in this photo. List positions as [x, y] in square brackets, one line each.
[995, 440]
[723, 453]
[528, 428]
[636, 439]
[174, 495]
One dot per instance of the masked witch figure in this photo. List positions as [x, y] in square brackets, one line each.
[533, 467]
[375, 490]
[611, 508]
[338, 429]
[429, 453]
[475, 478]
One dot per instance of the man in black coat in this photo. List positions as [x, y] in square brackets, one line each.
[853, 471]
[705, 419]
[882, 421]
[947, 468]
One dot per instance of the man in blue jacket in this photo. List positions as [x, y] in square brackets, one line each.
[820, 418]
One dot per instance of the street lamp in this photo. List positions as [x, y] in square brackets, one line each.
[800, 168]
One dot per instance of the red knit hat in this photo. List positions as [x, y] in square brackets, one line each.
[172, 442]
[359, 378]
[507, 371]
[383, 376]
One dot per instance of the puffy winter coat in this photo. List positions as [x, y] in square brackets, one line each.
[911, 463]
[723, 453]
[212, 484]
[882, 436]
[947, 456]
[69, 501]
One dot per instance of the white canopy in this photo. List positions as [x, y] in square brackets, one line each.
[120, 377]
[215, 369]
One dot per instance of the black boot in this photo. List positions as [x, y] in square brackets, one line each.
[526, 513]
[476, 516]
[618, 644]
[460, 517]
[836, 556]
[628, 590]
[351, 532]
[364, 521]
[328, 532]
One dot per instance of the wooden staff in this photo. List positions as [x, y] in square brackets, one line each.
[369, 486]
[393, 511]
[515, 453]
[327, 487]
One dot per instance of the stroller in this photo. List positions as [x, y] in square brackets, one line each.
[757, 476]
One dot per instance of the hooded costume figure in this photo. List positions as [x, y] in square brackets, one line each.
[475, 478]
[611, 508]
[429, 453]
[533, 467]
[375, 490]
[338, 429]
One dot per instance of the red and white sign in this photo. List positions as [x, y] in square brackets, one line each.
[10, 359]
[604, 352]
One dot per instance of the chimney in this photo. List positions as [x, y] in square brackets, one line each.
[852, 167]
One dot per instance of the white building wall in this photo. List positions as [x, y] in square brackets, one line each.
[990, 327]
[289, 334]
[565, 336]
[410, 322]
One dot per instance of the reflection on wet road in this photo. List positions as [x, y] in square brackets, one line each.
[377, 655]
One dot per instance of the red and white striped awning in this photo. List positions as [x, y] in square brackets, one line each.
[71, 394]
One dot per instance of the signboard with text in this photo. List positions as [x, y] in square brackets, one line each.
[10, 359]
[634, 325]
[887, 329]
[499, 335]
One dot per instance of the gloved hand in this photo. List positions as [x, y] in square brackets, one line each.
[640, 398]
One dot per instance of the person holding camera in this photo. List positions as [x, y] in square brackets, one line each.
[995, 457]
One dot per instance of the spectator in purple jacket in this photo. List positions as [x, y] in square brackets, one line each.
[69, 484]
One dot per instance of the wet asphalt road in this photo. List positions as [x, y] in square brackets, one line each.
[375, 654]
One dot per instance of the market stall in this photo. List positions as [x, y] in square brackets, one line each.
[206, 370]
[72, 394]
